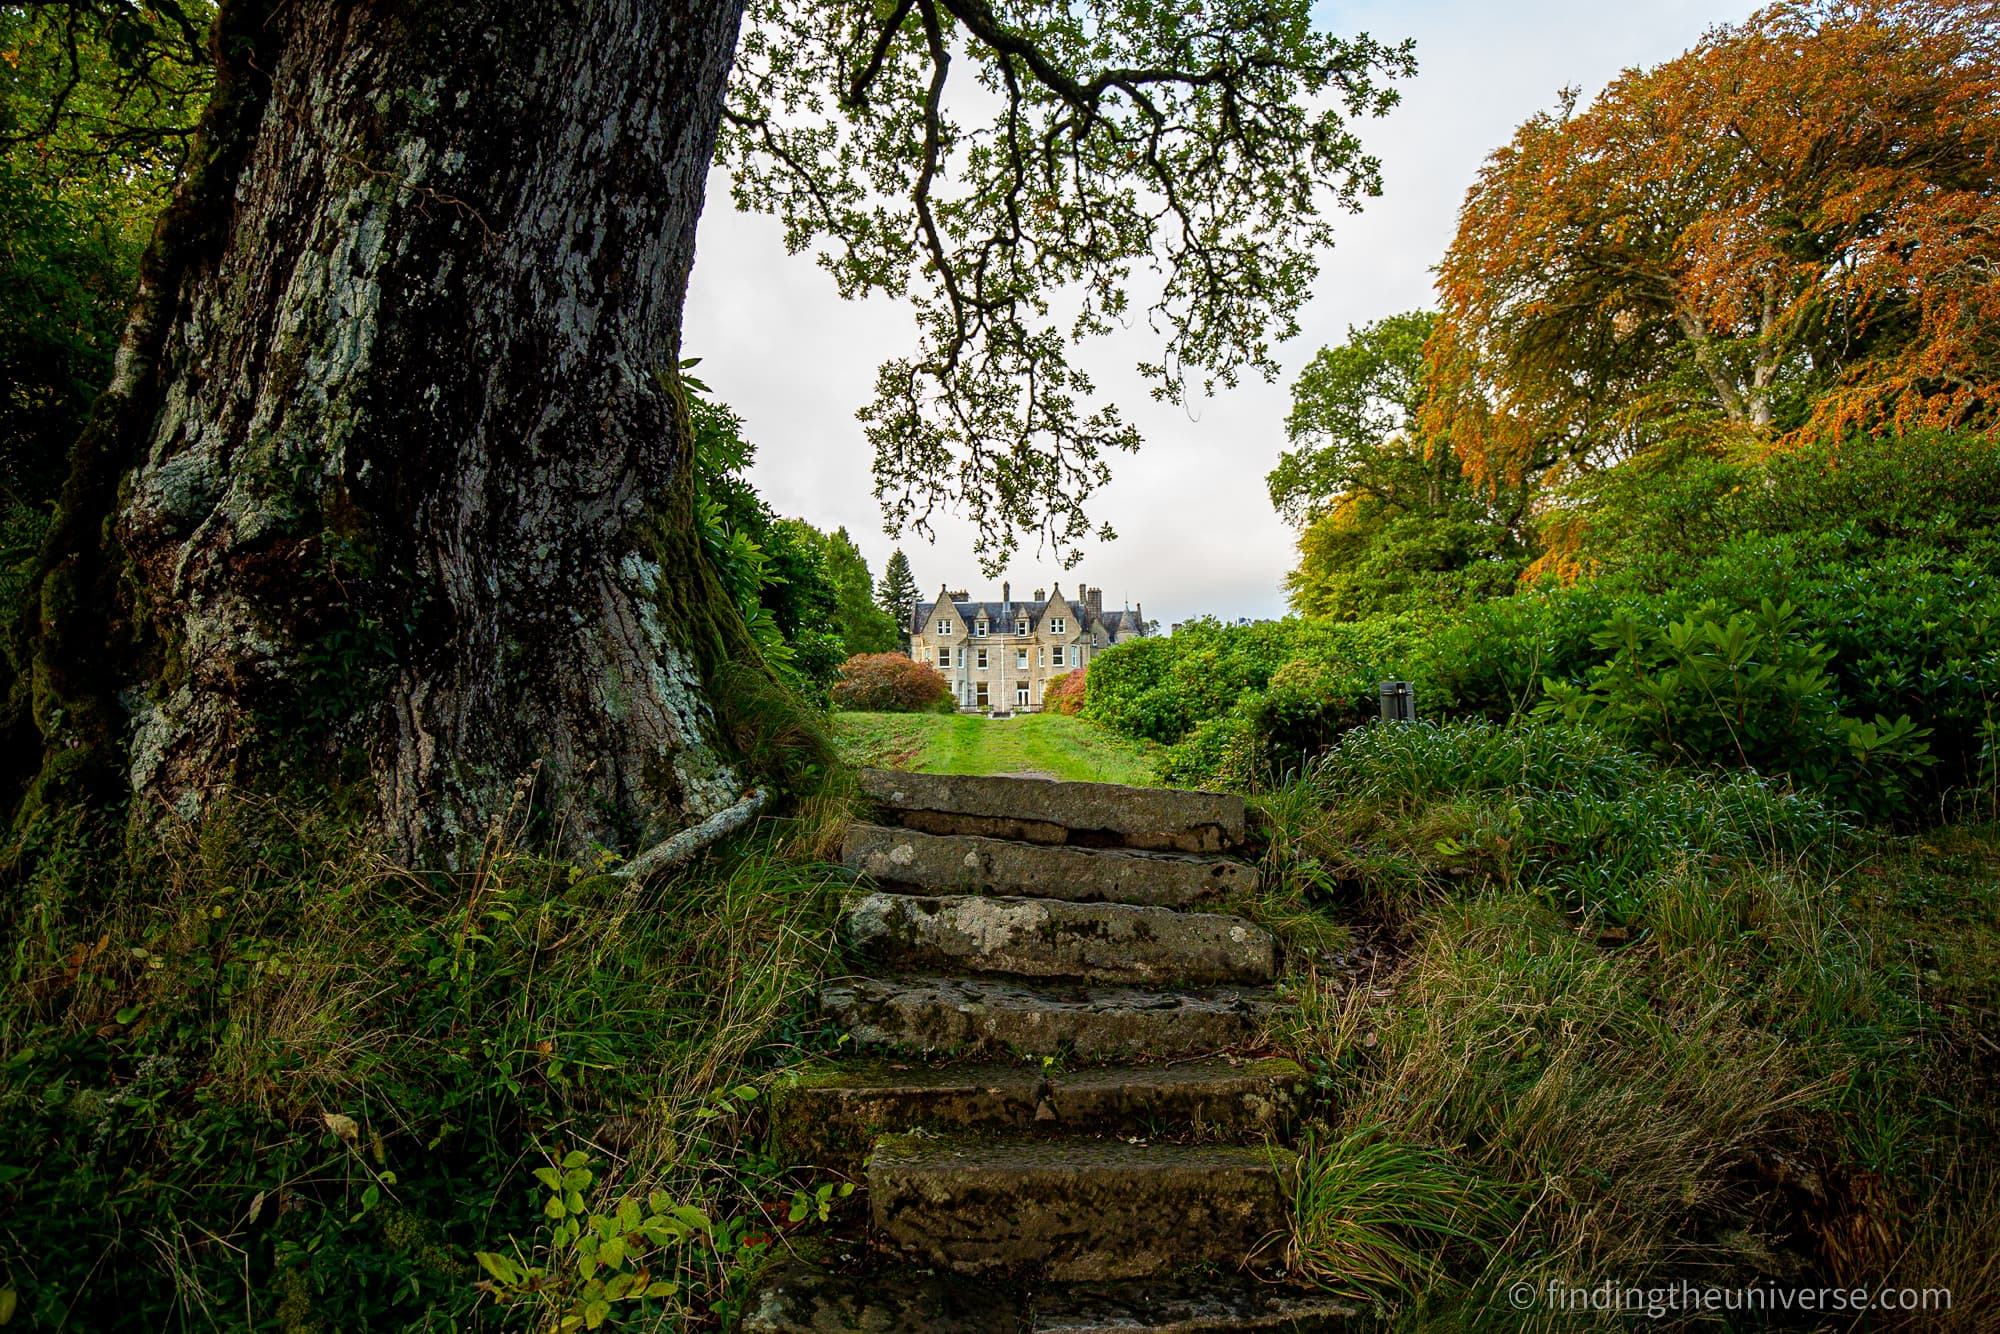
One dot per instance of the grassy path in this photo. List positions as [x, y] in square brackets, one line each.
[1041, 743]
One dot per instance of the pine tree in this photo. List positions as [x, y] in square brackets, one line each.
[897, 592]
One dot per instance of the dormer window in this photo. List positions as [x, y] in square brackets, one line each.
[1057, 625]
[979, 628]
[1021, 626]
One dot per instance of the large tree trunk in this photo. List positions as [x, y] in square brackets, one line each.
[407, 490]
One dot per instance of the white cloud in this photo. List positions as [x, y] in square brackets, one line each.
[1196, 530]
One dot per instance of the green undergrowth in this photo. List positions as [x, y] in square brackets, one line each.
[1646, 1026]
[1050, 744]
[282, 1084]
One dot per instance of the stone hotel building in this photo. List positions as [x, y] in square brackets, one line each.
[998, 656]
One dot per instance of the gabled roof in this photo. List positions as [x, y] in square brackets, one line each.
[998, 613]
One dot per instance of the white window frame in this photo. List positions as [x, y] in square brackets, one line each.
[1021, 659]
[1057, 626]
[944, 627]
[982, 696]
[1020, 696]
[1056, 657]
[981, 661]
[1021, 627]
[943, 656]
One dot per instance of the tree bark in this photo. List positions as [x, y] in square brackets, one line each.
[1727, 396]
[410, 492]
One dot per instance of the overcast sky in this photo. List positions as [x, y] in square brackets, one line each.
[1196, 532]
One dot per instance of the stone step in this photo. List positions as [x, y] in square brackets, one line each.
[1103, 942]
[832, 1116]
[968, 864]
[1091, 1024]
[1077, 1210]
[799, 1299]
[1043, 811]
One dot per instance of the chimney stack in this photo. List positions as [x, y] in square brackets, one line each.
[1006, 591]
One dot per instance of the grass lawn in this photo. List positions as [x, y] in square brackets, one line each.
[1042, 743]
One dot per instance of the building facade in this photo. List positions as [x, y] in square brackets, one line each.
[999, 656]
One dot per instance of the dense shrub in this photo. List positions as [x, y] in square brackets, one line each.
[1065, 694]
[1557, 808]
[890, 683]
[1749, 688]
[1881, 686]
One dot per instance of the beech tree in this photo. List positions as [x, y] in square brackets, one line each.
[391, 478]
[1792, 226]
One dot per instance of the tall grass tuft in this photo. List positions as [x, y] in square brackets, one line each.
[279, 1075]
[1693, 1026]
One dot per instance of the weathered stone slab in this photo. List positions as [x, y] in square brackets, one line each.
[832, 1117]
[1200, 1304]
[966, 864]
[1076, 1210]
[800, 1300]
[1105, 942]
[1042, 811]
[1094, 1024]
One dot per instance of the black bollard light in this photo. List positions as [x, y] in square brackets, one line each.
[1399, 702]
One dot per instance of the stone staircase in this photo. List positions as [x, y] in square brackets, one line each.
[1057, 1115]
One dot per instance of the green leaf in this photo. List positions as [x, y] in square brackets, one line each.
[594, 1314]
[549, 1177]
[575, 1158]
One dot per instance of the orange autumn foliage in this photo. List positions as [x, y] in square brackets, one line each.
[1065, 694]
[1802, 208]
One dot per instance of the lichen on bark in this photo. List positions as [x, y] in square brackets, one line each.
[388, 485]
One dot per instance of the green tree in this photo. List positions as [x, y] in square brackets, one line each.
[1389, 521]
[864, 627]
[95, 111]
[898, 592]
[775, 570]
[1365, 557]
[1215, 143]
[442, 252]
[1352, 426]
